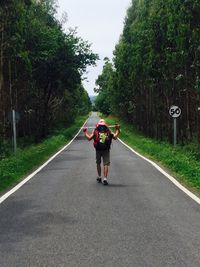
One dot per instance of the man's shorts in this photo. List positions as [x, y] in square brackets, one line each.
[105, 155]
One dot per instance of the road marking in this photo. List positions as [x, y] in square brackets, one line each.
[171, 178]
[25, 180]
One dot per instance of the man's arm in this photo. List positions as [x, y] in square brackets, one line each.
[117, 131]
[88, 136]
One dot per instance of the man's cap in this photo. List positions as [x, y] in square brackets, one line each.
[102, 122]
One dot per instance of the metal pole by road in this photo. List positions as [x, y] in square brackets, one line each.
[175, 112]
[14, 131]
[175, 132]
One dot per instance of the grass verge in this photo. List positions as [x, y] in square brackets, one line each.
[182, 162]
[14, 168]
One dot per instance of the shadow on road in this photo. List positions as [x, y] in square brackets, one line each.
[118, 185]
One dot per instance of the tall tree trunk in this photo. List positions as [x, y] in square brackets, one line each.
[10, 84]
[1, 79]
[198, 120]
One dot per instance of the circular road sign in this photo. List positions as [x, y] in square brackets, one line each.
[174, 111]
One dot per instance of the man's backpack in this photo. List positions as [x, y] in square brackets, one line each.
[102, 138]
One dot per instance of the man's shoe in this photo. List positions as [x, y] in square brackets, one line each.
[105, 182]
[99, 179]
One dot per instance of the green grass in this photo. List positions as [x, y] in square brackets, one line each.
[14, 168]
[182, 162]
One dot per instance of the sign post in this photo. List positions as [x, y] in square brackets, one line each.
[175, 132]
[13, 118]
[175, 112]
[14, 131]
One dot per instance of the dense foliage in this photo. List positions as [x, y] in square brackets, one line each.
[156, 65]
[41, 66]
[104, 87]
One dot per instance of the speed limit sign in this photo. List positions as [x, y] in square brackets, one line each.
[174, 111]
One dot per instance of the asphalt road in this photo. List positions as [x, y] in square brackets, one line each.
[62, 217]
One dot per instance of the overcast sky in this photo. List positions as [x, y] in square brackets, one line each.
[100, 22]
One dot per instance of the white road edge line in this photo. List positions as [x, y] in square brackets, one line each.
[25, 180]
[171, 178]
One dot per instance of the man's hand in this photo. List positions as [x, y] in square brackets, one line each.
[84, 129]
[117, 126]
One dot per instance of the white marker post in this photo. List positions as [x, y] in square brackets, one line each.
[14, 131]
[175, 112]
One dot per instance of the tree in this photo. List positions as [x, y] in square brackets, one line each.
[156, 65]
[41, 68]
[104, 85]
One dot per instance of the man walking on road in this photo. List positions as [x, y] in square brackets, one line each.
[102, 137]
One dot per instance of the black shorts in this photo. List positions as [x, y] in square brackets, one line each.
[105, 155]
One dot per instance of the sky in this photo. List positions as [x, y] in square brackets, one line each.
[100, 22]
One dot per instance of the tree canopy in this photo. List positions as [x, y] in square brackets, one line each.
[156, 65]
[41, 68]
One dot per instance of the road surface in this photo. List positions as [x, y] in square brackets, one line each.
[62, 217]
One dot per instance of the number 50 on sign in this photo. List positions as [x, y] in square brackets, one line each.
[174, 111]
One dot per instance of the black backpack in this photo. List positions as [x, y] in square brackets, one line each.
[102, 138]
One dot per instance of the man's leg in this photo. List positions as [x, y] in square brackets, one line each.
[105, 170]
[106, 162]
[98, 162]
[99, 169]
